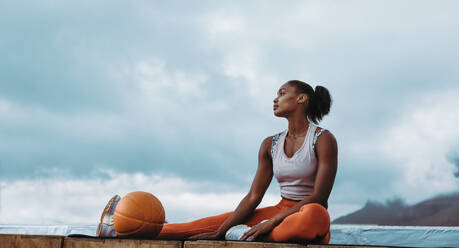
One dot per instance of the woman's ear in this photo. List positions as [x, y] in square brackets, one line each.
[302, 98]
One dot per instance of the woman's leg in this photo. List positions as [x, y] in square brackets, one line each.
[185, 230]
[311, 223]
[209, 224]
[266, 213]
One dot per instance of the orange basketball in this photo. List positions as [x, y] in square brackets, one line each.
[139, 214]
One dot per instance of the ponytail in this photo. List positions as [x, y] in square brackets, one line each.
[320, 103]
[319, 100]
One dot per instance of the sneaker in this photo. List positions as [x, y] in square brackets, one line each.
[236, 232]
[105, 228]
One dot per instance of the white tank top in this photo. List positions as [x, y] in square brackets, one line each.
[296, 175]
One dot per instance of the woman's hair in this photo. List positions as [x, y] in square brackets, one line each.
[319, 100]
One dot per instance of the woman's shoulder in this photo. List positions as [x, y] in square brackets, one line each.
[271, 141]
[268, 144]
[321, 130]
[277, 135]
[324, 137]
[268, 141]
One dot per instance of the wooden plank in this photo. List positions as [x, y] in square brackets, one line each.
[236, 244]
[349, 246]
[45, 241]
[240, 244]
[30, 241]
[71, 242]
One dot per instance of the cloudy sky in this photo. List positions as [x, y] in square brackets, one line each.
[175, 98]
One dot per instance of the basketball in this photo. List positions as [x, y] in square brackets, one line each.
[139, 214]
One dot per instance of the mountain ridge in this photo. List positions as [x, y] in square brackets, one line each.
[442, 210]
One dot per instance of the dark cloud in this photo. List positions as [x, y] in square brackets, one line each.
[453, 157]
[456, 163]
[63, 61]
[63, 56]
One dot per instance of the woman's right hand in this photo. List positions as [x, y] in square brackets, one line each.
[208, 235]
[259, 186]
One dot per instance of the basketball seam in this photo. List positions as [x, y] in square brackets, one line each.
[133, 231]
[136, 220]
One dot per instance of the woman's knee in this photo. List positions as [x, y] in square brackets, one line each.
[314, 209]
[315, 214]
[310, 222]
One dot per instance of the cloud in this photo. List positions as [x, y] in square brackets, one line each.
[187, 90]
[456, 163]
[418, 144]
[80, 201]
[411, 156]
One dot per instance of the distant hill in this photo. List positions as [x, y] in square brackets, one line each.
[439, 211]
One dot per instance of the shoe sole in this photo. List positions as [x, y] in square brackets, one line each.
[107, 209]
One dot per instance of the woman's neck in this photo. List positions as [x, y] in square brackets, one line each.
[297, 127]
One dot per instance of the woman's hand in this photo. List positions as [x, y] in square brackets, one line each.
[207, 235]
[258, 229]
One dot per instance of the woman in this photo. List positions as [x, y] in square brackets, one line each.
[303, 159]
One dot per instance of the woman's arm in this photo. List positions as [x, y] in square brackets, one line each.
[259, 186]
[327, 153]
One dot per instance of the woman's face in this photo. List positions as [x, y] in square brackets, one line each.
[286, 101]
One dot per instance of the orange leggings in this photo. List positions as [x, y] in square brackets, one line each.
[311, 223]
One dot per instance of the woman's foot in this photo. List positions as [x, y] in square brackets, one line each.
[236, 232]
[105, 228]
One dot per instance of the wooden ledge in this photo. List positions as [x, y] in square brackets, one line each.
[22, 240]
[236, 244]
[51, 241]
[73, 242]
